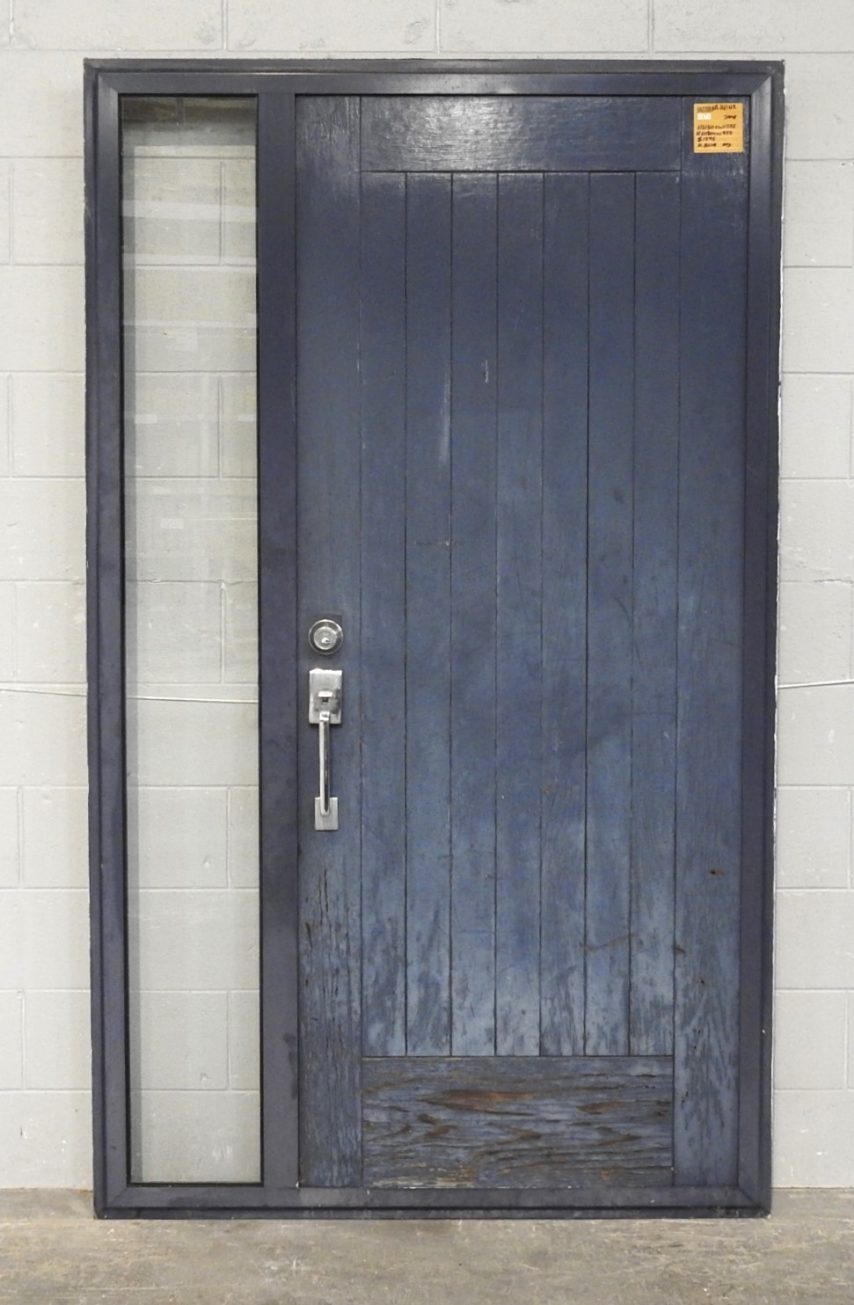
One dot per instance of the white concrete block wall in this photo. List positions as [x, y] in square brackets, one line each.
[44, 1108]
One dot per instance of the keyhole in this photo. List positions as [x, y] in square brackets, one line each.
[326, 636]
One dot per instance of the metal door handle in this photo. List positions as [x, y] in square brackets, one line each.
[324, 710]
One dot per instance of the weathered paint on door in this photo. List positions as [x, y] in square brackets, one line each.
[521, 417]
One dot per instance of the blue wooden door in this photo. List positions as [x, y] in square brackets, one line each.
[521, 417]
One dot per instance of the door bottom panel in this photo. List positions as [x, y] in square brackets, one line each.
[517, 1121]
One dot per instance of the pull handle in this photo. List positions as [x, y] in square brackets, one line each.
[323, 802]
[324, 710]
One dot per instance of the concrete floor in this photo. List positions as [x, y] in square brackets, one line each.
[51, 1250]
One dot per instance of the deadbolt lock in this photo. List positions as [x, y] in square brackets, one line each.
[326, 636]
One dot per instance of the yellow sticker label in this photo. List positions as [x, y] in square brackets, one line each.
[719, 128]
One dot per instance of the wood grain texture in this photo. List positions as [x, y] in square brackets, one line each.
[656, 462]
[382, 375]
[609, 612]
[428, 609]
[329, 583]
[564, 617]
[517, 1122]
[510, 347]
[711, 533]
[534, 134]
[473, 635]
[519, 603]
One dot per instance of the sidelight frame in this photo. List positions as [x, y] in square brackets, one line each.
[275, 84]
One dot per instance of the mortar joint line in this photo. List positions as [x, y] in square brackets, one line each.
[37, 691]
[243, 702]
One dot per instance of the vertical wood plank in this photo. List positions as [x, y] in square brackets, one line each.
[428, 599]
[654, 645]
[328, 490]
[711, 506]
[383, 615]
[473, 646]
[519, 613]
[564, 618]
[609, 627]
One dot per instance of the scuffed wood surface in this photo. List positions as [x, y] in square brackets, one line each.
[564, 617]
[477, 133]
[517, 1121]
[654, 554]
[473, 548]
[610, 614]
[709, 704]
[329, 582]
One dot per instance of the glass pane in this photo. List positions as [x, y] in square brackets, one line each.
[191, 638]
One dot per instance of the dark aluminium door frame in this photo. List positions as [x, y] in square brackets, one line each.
[276, 85]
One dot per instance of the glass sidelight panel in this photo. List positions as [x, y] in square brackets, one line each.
[191, 618]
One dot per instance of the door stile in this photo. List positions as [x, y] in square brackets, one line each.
[329, 506]
[709, 661]
[279, 718]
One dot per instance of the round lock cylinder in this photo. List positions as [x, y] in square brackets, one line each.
[326, 636]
